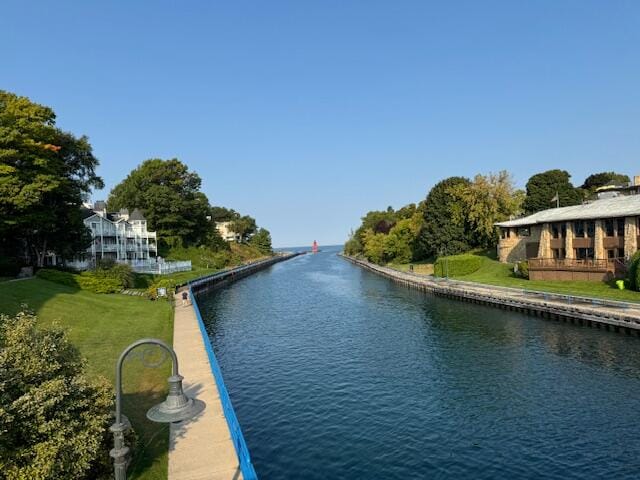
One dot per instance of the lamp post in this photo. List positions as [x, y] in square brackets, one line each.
[176, 407]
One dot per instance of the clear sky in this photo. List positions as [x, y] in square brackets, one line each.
[307, 114]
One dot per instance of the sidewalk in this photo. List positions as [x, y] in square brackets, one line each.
[200, 449]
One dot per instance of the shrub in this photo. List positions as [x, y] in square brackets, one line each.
[9, 267]
[91, 281]
[457, 265]
[53, 418]
[169, 284]
[522, 269]
[633, 275]
[118, 271]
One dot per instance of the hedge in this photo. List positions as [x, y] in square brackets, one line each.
[457, 265]
[84, 281]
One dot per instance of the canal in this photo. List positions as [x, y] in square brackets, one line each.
[335, 372]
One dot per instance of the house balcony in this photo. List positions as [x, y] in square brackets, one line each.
[553, 269]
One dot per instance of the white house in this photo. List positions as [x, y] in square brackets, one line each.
[120, 236]
[228, 235]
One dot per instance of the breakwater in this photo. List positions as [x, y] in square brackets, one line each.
[609, 315]
[226, 277]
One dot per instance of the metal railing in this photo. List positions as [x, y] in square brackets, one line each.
[248, 471]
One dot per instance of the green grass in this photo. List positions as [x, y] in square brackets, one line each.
[423, 267]
[492, 272]
[145, 280]
[101, 326]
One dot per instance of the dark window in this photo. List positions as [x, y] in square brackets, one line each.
[523, 232]
[608, 227]
[558, 253]
[563, 230]
[611, 254]
[584, 253]
[620, 227]
[621, 253]
[591, 229]
[578, 229]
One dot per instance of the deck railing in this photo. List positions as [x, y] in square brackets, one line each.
[589, 264]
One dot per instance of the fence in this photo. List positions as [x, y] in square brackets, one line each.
[141, 266]
[248, 471]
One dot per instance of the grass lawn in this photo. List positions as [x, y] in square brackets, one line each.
[101, 326]
[424, 267]
[492, 272]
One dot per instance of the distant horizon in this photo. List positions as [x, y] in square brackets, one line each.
[307, 115]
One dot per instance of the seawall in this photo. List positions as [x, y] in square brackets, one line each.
[609, 315]
[211, 447]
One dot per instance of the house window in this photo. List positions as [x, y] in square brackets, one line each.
[591, 229]
[559, 230]
[578, 228]
[506, 233]
[584, 253]
[524, 232]
[611, 254]
[94, 225]
[620, 226]
[558, 253]
[608, 227]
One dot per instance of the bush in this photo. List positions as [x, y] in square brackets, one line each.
[118, 271]
[90, 281]
[522, 269]
[9, 267]
[169, 284]
[53, 418]
[457, 265]
[633, 275]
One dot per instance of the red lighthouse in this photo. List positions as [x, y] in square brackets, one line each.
[314, 249]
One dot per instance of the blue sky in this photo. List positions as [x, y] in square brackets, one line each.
[306, 115]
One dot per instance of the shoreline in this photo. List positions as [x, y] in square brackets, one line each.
[591, 312]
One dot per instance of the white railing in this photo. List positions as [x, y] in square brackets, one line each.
[158, 268]
[152, 266]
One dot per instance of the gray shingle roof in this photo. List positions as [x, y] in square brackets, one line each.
[136, 215]
[622, 206]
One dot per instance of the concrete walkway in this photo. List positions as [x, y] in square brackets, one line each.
[200, 449]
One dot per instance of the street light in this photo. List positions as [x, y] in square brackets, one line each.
[176, 407]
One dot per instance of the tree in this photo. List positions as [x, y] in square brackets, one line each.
[374, 246]
[483, 202]
[400, 243]
[596, 180]
[244, 226]
[45, 174]
[53, 418]
[443, 233]
[262, 241]
[169, 195]
[543, 187]
[222, 214]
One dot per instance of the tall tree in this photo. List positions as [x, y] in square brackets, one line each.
[262, 241]
[170, 197]
[441, 233]
[483, 202]
[244, 226]
[596, 180]
[45, 174]
[543, 187]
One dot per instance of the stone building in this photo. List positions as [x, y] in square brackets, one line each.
[582, 242]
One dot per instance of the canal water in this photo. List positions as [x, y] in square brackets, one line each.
[337, 373]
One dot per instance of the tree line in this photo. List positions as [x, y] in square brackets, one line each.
[46, 174]
[458, 214]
